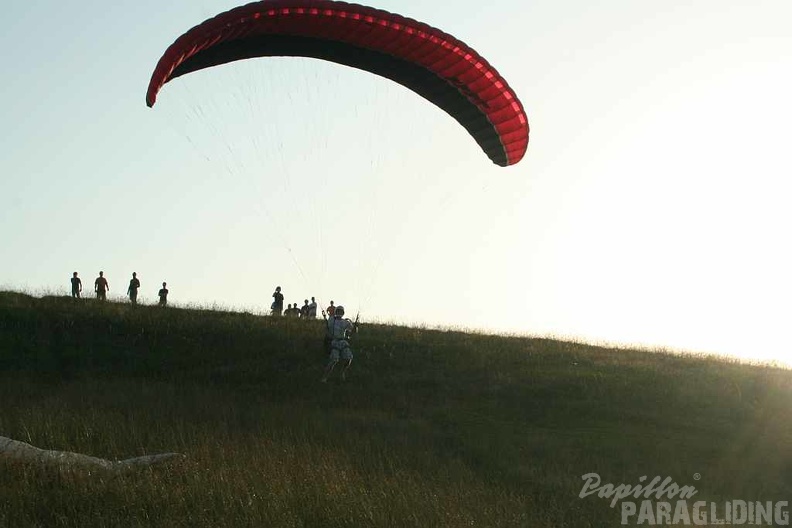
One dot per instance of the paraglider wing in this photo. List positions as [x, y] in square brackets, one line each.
[426, 60]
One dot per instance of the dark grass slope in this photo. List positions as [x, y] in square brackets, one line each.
[434, 428]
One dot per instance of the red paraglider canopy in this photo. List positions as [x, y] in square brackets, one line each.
[430, 62]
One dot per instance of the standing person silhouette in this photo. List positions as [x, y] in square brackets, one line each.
[76, 285]
[312, 309]
[277, 303]
[101, 286]
[132, 291]
[163, 294]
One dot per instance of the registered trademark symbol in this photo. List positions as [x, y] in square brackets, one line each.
[696, 476]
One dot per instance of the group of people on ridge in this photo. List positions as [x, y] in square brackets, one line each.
[306, 311]
[338, 330]
[101, 287]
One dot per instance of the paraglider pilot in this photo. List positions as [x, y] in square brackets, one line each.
[339, 331]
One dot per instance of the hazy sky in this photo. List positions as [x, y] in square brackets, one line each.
[651, 207]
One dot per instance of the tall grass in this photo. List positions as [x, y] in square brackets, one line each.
[434, 428]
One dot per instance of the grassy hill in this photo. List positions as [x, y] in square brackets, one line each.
[433, 428]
